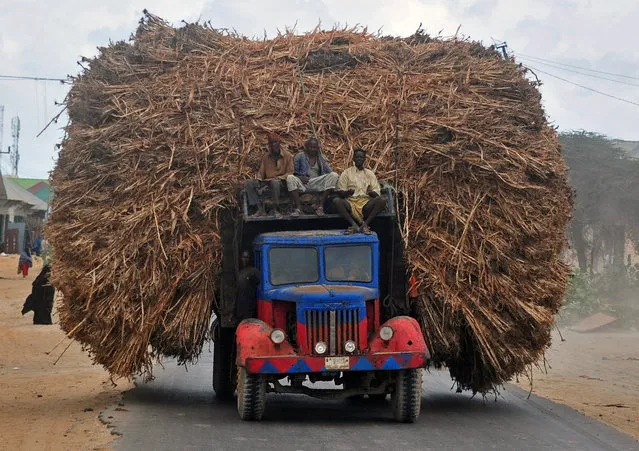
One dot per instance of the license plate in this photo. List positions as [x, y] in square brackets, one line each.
[337, 363]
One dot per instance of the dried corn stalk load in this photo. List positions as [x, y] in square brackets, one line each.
[163, 130]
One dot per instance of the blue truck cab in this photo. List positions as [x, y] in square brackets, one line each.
[318, 319]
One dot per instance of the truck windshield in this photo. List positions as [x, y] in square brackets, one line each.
[349, 263]
[293, 265]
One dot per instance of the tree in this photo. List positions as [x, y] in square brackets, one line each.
[606, 183]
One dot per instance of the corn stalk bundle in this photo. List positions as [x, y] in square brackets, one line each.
[164, 129]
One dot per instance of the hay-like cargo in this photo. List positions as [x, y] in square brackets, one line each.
[164, 129]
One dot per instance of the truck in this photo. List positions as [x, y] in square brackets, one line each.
[331, 307]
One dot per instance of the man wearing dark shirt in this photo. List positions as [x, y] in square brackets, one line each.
[247, 282]
[275, 167]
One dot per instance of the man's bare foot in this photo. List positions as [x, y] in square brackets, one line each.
[365, 229]
[351, 230]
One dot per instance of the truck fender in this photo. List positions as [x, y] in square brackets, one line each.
[253, 338]
[407, 336]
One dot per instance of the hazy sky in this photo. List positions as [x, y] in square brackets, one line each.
[46, 39]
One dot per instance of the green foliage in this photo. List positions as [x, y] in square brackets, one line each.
[604, 178]
[582, 298]
[613, 291]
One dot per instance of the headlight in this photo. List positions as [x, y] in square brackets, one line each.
[277, 336]
[320, 347]
[386, 333]
[350, 346]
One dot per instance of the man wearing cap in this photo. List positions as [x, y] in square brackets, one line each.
[312, 174]
[275, 167]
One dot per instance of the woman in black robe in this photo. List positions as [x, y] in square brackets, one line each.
[40, 301]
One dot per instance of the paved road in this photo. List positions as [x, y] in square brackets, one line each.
[178, 411]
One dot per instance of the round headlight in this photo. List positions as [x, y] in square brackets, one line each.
[350, 346]
[320, 347]
[277, 336]
[386, 333]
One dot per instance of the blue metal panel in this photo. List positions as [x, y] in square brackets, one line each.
[313, 238]
[321, 291]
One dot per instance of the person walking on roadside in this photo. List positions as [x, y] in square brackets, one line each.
[25, 262]
[40, 301]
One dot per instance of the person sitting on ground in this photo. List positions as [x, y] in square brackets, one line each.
[312, 174]
[247, 281]
[275, 167]
[359, 200]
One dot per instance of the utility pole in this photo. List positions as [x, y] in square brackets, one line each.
[503, 46]
[14, 151]
[1, 124]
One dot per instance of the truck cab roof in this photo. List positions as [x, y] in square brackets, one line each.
[314, 238]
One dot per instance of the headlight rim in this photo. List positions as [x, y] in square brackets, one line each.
[276, 337]
[384, 333]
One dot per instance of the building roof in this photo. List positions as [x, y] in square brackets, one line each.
[43, 191]
[28, 183]
[12, 191]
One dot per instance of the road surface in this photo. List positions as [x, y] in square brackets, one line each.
[178, 411]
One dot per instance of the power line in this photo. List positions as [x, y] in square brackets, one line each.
[20, 77]
[578, 67]
[584, 87]
[582, 73]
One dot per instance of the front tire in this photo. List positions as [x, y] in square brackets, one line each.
[407, 397]
[251, 395]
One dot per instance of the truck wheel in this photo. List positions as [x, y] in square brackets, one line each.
[223, 368]
[251, 395]
[407, 398]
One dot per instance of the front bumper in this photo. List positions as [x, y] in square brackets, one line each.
[258, 354]
[383, 361]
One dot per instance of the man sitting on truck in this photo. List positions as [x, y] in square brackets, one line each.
[312, 174]
[359, 200]
[275, 167]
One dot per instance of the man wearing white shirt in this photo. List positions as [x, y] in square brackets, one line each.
[359, 200]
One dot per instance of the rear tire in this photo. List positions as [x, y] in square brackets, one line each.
[223, 368]
[251, 395]
[407, 398]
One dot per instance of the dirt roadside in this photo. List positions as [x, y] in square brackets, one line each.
[594, 373]
[45, 406]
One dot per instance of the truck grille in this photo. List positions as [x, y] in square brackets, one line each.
[333, 327]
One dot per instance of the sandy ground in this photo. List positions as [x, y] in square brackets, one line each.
[46, 406]
[596, 373]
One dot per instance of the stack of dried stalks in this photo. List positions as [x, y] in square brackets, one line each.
[164, 128]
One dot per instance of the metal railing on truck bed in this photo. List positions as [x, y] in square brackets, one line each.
[387, 192]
